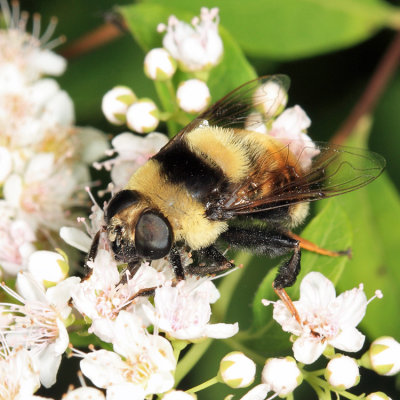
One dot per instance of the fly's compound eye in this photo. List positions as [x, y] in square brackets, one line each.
[120, 201]
[153, 235]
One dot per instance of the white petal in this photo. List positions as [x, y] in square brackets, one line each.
[60, 294]
[221, 331]
[76, 238]
[316, 291]
[48, 363]
[42, 91]
[284, 317]
[125, 391]
[94, 144]
[49, 63]
[12, 190]
[61, 109]
[103, 368]
[258, 392]
[160, 382]
[349, 339]
[351, 307]
[40, 167]
[84, 393]
[43, 265]
[307, 349]
[29, 288]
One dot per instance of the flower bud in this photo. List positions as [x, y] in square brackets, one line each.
[193, 96]
[48, 267]
[384, 356]
[142, 116]
[115, 103]
[179, 395]
[159, 65]
[237, 370]
[342, 372]
[270, 98]
[282, 375]
[378, 396]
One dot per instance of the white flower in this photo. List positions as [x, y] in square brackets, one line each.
[142, 363]
[84, 393]
[19, 377]
[159, 65]
[270, 98]
[384, 356]
[36, 193]
[38, 324]
[179, 395]
[16, 242]
[34, 114]
[282, 375]
[102, 296]
[132, 152]
[289, 128]
[237, 370]
[193, 96]
[184, 311]
[342, 372]
[48, 267]
[142, 116]
[115, 104]
[25, 57]
[378, 396]
[326, 319]
[195, 47]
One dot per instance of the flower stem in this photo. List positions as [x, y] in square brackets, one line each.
[190, 359]
[204, 385]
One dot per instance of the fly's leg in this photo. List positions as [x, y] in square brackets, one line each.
[213, 262]
[271, 243]
[310, 246]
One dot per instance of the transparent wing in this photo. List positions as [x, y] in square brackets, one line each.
[335, 170]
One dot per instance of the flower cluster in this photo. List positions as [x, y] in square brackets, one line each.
[44, 157]
[194, 49]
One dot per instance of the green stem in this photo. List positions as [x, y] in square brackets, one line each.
[166, 94]
[190, 359]
[236, 345]
[204, 385]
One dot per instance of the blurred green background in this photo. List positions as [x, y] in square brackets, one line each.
[330, 50]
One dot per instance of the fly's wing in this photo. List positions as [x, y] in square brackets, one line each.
[249, 106]
[334, 170]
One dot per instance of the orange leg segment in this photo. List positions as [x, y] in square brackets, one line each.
[287, 301]
[310, 246]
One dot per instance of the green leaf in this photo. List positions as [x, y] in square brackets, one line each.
[293, 29]
[374, 212]
[375, 216]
